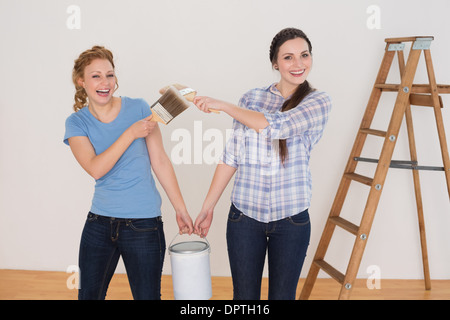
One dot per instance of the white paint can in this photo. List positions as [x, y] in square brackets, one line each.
[191, 275]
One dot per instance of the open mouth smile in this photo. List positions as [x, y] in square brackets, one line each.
[103, 92]
[297, 73]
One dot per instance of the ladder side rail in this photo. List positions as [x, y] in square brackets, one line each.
[439, 119]
[416, 181]
[345, 183]
[380, 173]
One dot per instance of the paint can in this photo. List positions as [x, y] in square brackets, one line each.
[191, 274]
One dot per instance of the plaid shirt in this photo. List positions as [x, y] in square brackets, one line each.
[264, 189]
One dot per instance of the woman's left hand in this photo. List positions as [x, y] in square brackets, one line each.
[203, 222]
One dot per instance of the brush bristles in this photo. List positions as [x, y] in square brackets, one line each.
[170, 105]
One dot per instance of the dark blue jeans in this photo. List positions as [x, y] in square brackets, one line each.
[141, 244]
[286, 242]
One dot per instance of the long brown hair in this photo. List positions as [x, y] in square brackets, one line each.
[85, 59]
[302, 90]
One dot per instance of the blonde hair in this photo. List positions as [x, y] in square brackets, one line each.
[85, 59]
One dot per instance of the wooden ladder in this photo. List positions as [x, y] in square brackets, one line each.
[407, 94]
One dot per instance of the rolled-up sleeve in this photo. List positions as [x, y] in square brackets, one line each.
[308, 118]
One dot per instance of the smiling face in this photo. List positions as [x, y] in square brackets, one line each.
[99, 81]
[294, 62]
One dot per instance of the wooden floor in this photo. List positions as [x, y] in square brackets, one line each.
[39, 285]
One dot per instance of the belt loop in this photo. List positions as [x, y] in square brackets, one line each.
[115, 233]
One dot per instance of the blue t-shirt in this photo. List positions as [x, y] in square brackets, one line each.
[128, 190]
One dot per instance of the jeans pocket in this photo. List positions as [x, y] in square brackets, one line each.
[234, 215]
[91, 217]
[143, 225]
[300, 219]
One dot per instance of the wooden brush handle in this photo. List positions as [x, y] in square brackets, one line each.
[156, 118]
[189, 95]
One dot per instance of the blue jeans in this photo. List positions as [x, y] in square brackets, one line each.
[141, 244]
[286, 242]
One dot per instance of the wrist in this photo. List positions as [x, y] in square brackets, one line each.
[129, 134]
[227, 107]
[181, 211]
[208, 208]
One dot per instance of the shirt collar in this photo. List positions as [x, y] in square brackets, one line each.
[273, 89]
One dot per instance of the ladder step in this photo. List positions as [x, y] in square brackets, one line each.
[424, 100]
[416, 88]
[406, 39]
[359, 178]
[335, 274]
[402, 164]
[345, 224]
[374, 132]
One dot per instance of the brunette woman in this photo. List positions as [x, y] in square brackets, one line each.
[275, 129]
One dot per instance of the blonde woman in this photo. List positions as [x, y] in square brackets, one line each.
[115, 141]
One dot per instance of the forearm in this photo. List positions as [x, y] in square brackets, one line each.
[99, 165]
[253, 119]
[105, 161]
[166, 176]
[222, 177]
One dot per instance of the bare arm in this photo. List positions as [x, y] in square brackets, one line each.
[166, 176]
[222, 177]
[99, 165]
[308, 119]
[253, 119]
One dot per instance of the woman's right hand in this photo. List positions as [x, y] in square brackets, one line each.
[142, 128]
[206, 104]
[203, 222]
[184, 222]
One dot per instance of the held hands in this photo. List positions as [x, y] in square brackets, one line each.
[142, 128]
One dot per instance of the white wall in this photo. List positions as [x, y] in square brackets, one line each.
[221, 49]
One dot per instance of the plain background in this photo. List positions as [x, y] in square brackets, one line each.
[221, 48]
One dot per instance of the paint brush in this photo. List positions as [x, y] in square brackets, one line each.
[187, 92]
[168, 106]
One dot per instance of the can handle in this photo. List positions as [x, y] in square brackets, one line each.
[199, 236]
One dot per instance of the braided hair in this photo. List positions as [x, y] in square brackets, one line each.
[302, 90]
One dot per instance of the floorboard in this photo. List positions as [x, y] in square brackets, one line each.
[45, 285]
